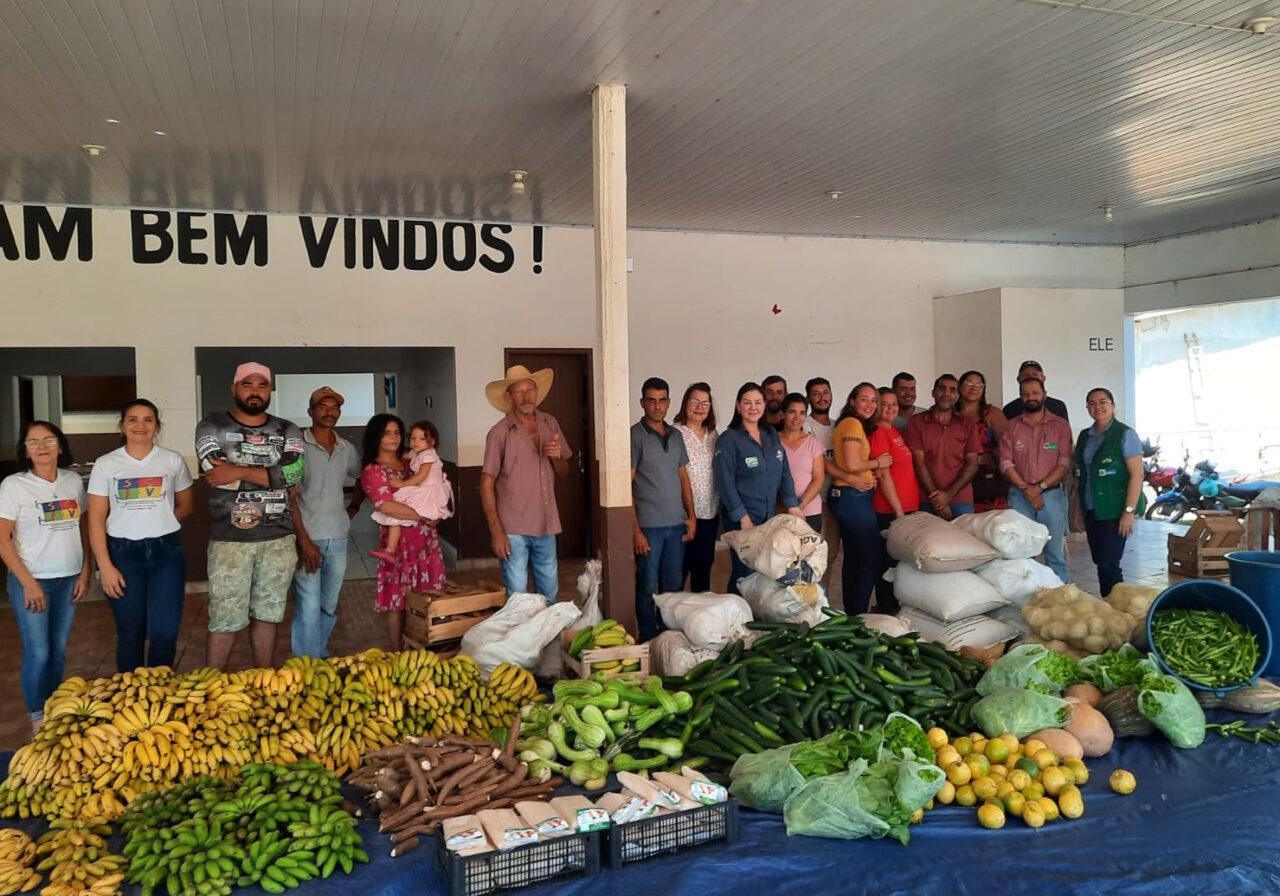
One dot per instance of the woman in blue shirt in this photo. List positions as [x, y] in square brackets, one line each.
[751, 473]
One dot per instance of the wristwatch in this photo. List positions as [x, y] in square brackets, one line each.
[1128, 509]
[1043, 486]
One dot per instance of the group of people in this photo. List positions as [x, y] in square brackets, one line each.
[279, 515]
[881, 457]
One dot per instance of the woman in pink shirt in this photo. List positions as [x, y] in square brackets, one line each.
[805, 456]
[898, 493]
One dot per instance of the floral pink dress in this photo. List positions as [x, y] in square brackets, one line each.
[419, 563]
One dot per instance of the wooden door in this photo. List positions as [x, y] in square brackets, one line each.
[571, 402]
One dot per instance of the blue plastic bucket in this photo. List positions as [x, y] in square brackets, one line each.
[1203, 594]
[1257, 574]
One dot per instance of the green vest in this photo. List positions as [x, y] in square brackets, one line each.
[1108, 476]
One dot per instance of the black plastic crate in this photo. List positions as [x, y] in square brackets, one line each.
[574, 855]
[677, 832]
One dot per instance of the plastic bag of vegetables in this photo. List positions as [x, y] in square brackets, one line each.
[864, 801]
[1032, 667]
[1070, 615]
[1117, 668]
[1020, 712]
[1172, 708]
[764, 781]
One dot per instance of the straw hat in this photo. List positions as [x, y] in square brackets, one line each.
[496, 391]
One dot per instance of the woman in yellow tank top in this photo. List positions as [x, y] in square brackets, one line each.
[852, 483]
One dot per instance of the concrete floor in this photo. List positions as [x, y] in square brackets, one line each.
[91, 650]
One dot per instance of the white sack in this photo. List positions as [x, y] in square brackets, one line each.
[1012, 535]
[1012, 617]
[707, 620]
[588, 600]
[935, 545]
[975, 631]
[886, 625]
[1017, 581]
[784, 547]
[518, 632]
[671, 653]
[772, 602]
[947, 596]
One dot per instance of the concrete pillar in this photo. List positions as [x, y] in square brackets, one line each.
[609, 190]
[166, 374]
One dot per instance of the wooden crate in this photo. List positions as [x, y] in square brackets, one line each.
[437, 620]
[1262, 529]
[1202, 552]
[583, 665]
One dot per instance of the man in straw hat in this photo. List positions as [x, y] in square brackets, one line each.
[521, 453]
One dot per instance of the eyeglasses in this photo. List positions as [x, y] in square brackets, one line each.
[699, 403]
[972, 383]
[46, 442]
[1098, 403]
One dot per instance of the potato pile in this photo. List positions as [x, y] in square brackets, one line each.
[1068, 620]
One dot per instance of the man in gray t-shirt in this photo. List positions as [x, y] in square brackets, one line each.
[662, 504]
[251, 462]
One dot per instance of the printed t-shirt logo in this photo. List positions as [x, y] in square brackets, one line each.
[63, 510]
[140, 488]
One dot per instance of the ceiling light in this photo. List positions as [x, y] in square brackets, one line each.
[93, 150]
[113, 121]
[1108, 211]
[834, 194]
[1260, 24]
[517, 180]
[159, 133]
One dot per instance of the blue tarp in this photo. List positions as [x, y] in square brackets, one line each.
[1202, 821]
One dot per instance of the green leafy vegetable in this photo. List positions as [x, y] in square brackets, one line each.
[1116, 668]
[1033, 667]
[906, 739]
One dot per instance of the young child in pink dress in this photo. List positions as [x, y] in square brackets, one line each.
[427, 491]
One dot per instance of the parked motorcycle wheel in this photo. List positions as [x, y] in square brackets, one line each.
[1168, 512]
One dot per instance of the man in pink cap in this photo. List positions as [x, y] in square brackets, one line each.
[252, 461]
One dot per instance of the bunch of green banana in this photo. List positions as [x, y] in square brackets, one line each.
[331, 835]
[193, 859]
[604, 634]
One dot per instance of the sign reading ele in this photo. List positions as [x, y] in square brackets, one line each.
[1102, 344]
[198, 238]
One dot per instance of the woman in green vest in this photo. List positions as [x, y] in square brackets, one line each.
[1109, 464]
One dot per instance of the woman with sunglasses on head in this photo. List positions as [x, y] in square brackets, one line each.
[1109, 467]
[990, 489]
[45, 547]
[138, 496]
[696, 421]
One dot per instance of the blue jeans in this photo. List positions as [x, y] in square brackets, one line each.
[315, 599]
[1054, 516]
[149, 614]
[860, 543]
[956, 509]
[539, 553]
[44, 639]
[659, 571]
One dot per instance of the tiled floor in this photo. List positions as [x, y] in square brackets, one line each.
[91, 651]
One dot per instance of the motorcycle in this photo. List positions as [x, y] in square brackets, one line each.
[1197, 489]
[1160, 478]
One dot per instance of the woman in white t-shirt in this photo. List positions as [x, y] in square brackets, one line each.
[138, 496]
[44, 546]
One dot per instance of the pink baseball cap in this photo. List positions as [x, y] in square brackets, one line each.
[248, 369]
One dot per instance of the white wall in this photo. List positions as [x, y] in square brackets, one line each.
[966, 335]
[700, 307]
[1230, 265]
[1066, 330]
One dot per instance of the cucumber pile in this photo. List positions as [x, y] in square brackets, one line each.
[275, 826]
[798, 682]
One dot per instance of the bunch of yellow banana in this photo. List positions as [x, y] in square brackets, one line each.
[17, 877]
[16, 846]
[77, 858]
[512, 682]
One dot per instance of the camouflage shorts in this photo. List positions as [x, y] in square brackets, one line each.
[249, 579]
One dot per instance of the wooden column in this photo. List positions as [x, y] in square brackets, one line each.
[609, 190]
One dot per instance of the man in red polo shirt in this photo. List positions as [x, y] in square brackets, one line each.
[945, 447]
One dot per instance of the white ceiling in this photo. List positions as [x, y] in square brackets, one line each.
[951, 119]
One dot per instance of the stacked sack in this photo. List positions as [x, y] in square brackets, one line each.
[940, 578]
[788, 558]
